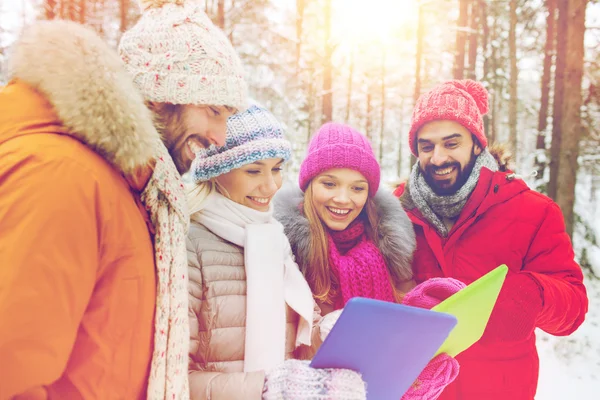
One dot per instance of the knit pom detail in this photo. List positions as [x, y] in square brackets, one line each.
[147, 4]
[477, 92]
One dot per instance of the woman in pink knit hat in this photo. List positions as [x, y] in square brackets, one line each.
[352, 240]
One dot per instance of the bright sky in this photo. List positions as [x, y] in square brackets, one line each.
[373, 21]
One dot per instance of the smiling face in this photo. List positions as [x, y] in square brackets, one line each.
[339, 196]
[253, 185]
[447, 154]
[187, 128]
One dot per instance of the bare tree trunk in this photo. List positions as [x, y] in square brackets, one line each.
[486, 59]
[50, 9]
[546, 79]
[461, 40]
[514, 100]
[221, 14]
[493, 61]
[124, 15]
[73, 14]
[299, 21]
[311, 104]
[350, 79]
[493, 113]
[327, 111]
[419, 60]
[368, 114]
[99, 5]
[230, 36]
[382, 116]
[419, 55]
[401, 122]
[82, 11]
[473, 36]
[497, 84]
[559, 90]
[571, 119]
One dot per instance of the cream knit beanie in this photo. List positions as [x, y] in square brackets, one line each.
[176, 55]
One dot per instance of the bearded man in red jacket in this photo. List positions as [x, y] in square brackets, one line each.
[471, 215]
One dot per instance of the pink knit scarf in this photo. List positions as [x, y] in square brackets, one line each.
[359, 265]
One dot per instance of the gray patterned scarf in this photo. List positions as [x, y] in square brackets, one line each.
[435, 207]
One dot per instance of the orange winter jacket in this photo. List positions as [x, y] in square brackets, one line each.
[77, 275]
[77, 280]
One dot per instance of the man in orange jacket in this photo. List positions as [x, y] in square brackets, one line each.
[91, 307]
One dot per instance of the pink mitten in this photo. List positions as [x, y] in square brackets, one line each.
[432, 292]
[439, 373]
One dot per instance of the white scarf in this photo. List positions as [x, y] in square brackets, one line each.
[272, 278]
[164, 199]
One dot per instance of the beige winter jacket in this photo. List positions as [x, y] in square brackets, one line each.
[217, 290]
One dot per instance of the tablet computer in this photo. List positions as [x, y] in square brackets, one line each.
[389, 344]
[472, 307]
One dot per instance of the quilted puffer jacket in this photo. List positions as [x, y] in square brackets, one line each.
[217, 291]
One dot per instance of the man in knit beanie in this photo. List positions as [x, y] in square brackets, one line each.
[192, 79]
[471, 215]
[94, 218]
[188, 72]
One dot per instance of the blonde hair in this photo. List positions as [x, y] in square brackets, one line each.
[197, 193]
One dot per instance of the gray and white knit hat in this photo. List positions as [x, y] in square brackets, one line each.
[177, 55]
[252, 135]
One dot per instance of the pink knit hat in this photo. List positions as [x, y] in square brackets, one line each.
[339, 146]
[465, 102]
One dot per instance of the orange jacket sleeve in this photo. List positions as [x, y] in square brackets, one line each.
[48, 260]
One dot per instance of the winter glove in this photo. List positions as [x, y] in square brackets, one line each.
[327, 322]
[433, 291]
[443, 369]
[295, 380]
[514, 316]
[439, 373]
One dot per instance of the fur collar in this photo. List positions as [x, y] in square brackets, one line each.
[396, 240]
[90, 90]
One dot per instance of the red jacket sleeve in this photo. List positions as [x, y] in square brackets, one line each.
[550, 261]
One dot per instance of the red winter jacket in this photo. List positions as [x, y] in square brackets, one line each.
[504, 222]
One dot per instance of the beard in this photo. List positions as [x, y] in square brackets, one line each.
[180, 164]
[170, 124]
[442, 187]
[175, 151]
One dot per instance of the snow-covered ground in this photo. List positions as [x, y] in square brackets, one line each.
[570, 366]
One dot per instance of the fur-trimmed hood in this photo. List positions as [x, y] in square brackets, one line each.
[396, 240]
[502, 156]
[92, 95]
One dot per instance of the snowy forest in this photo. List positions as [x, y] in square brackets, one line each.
[366, 63]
